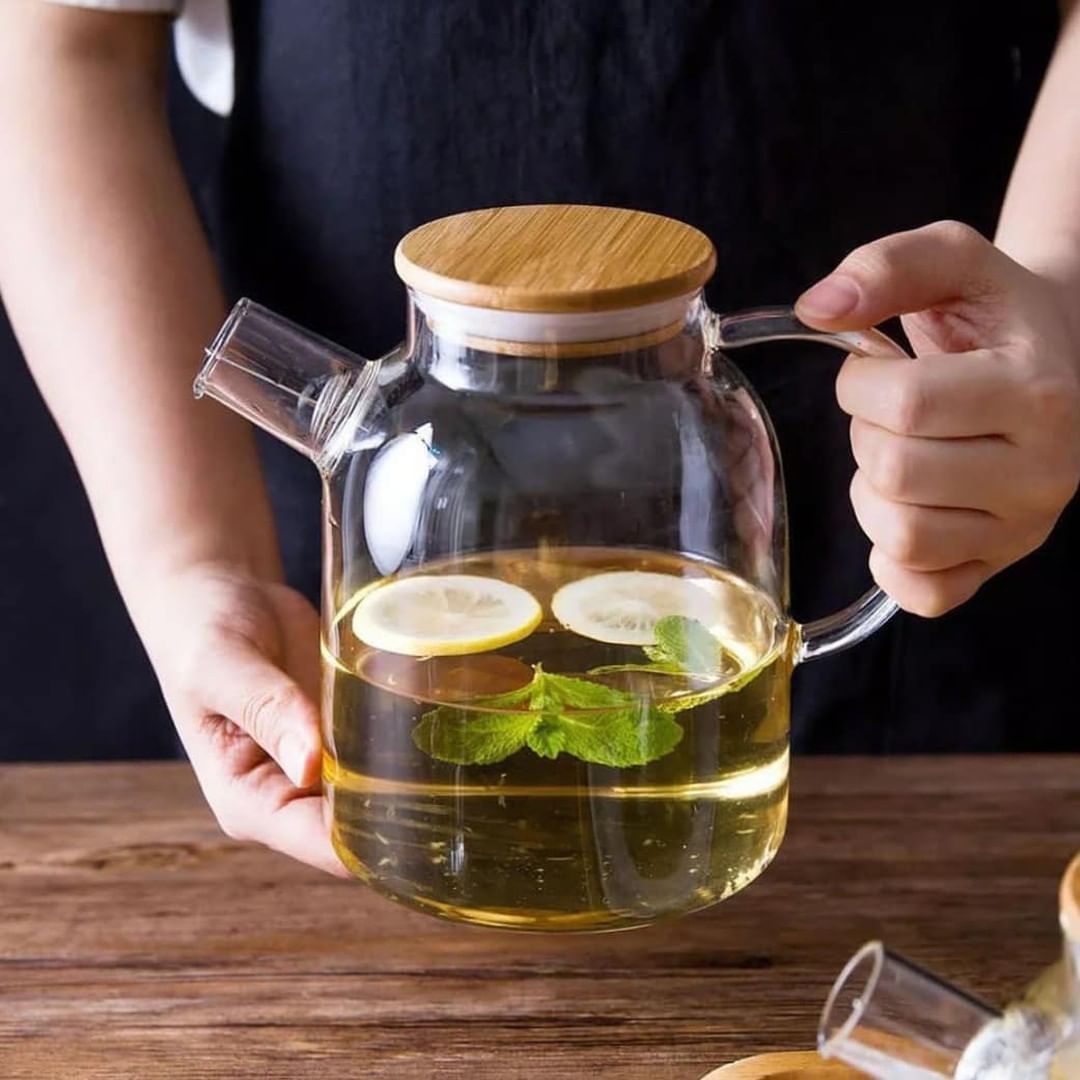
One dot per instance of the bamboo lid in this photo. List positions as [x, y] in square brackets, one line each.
[555, 258]
[1070, 901]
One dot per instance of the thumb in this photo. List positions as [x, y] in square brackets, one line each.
[904, 273]
[242, 685]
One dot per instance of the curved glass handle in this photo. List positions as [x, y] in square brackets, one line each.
[873, 609]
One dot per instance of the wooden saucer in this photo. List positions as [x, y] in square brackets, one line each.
[803, 1065]
[1070, 901]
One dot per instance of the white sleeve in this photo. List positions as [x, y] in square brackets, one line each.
[202, 35]
[168, 7]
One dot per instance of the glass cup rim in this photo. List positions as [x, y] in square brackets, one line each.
[828, 1043]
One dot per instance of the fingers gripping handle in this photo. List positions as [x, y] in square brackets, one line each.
[873, 609]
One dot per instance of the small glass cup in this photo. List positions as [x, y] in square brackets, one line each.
[894, 1021]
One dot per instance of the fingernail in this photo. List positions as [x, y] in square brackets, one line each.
[294, 758]
[830, 298]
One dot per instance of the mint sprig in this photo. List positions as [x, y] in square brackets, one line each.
[560, 714]
[682, 646]
[553, 714]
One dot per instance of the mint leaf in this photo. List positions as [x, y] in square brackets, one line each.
[605, 726]
[616, 669]
[683, 646]
[688, 645]
[621, 737]
[469, 737]
[554, 714]
[566, 692]
[510, 700]
[548, 738]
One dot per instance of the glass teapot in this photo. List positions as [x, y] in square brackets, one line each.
[555, 639]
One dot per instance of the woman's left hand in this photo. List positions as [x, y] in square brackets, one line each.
[968, 454]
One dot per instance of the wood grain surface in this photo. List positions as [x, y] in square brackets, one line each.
[136, 941]
[555, 258]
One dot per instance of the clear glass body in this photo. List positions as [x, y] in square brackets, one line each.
[582, 767]
[542, 471]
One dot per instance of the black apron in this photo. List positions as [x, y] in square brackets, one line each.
[788, 132]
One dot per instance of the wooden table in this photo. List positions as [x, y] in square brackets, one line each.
[136, 941]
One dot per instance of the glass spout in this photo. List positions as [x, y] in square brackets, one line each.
[307, 391]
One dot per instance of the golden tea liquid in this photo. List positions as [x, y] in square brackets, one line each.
[556, 842]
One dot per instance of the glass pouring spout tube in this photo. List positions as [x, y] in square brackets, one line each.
[305, 390]
[892, 1020]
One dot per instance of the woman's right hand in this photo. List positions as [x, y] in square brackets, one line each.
[239, 667]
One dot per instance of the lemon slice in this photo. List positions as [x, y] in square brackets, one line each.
[623, 607]
[445, 615]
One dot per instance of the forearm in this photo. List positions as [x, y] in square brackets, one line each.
[111, 289]
[1040, 221]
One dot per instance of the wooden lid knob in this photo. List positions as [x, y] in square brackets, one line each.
[555, 258]
[1070, 901]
